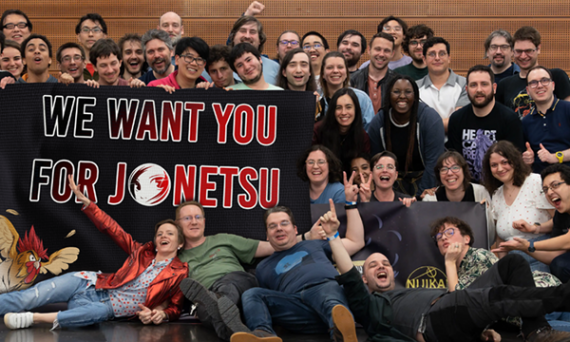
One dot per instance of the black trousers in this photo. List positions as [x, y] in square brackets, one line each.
[506, 289]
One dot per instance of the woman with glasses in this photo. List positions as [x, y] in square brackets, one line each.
[384, 174]
[517, 200]
[191, 55]
[412, 131]
[341, 130]
[319, 166]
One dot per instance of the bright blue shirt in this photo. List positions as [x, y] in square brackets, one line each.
[332, 190]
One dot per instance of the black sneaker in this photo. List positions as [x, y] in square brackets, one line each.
[230, 315]
[344, 328]
[199, 295]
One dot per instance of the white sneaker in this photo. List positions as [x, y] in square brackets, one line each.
[18, 320]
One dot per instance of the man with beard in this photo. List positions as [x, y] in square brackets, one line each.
[71, 63]
[36, 53]
[132, 56]
[246, 61]
[157, 48]
[473, 129]
[105, 55]
[413, 45]
[373, 79]
[248, 29]
[499, 49]
[351, 44]
[512, 91]
[89, 30]
[172, 24]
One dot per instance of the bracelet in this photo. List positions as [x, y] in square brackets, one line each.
[350, 203]
[334, 237]
[351, 206]
[303, 237]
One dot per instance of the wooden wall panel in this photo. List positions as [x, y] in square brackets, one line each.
[464, 23]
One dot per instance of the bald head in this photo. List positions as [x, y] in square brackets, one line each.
[171, 23]
[378, 274]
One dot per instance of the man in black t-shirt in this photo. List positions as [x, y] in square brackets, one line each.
[554, 251]
[512, 90]
[473, 129]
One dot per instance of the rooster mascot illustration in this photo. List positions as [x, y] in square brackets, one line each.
[19, 266]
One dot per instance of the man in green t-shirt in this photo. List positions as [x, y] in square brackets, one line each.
[215, 271]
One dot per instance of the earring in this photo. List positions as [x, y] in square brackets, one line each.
[179, 248]
[156, 249]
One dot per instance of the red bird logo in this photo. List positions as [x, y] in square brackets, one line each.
[20, 267]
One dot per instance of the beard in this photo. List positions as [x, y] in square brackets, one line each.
[352, 61]
[255, 79]
[486, 101]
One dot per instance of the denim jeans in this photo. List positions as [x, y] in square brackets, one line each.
[535, 265]
[86, 306]
[308, 311]
[560, 267]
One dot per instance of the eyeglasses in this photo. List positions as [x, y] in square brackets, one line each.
[390, 28]
[381, 167]
[528, 52]
[287, 42]
[11, 26]
[454, 169]
[315, 46]
[189, 59]
[190, 218]
[433, 54]
[414, 43]
[319, 162]
[552, 186]
[503, 47]
[449, 232]
[544, 81]
[95, 30]
[68, 59]
[284, 223]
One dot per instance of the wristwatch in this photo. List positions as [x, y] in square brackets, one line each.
[560, 157]
[531, 248]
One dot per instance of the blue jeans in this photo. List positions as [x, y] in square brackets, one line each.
[535, 265]
[308, 311]
[560, 267]
[85, 306]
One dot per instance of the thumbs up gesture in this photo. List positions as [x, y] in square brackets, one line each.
[528, 155]
[546, 156]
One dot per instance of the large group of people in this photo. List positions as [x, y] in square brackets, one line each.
[401, 127]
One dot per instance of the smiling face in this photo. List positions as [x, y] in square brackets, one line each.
[317, 167]
[526, 54]
[16, 34]
[351, 48]
[381, 52]
[166, 240]
[316, 53]
[171, 23]
[72, 63]
[501, 169]
[402, 97]
[541, 94]
[281, 233]
[37, 56]
[560, 197]
[249, 68]
[158, 56]
[451, 180]
[384, 173]
[335, 72]
[12, 61]
[394, 29]
[248, 33]
[456, 238]
[480, 89]
[191, 71]
[87, 37]
[344, 112]
[360, 166]
[298, 71]
[192, 221]
[133, 56]
[108, 69]
[378, 273]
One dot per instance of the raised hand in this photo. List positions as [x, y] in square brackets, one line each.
[329, 222]
[254, 8]
[528, 155]
[77, 192]
[365, 191]
[546, 156]
[350, 189]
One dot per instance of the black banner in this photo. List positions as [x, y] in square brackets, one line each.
[140, 152]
